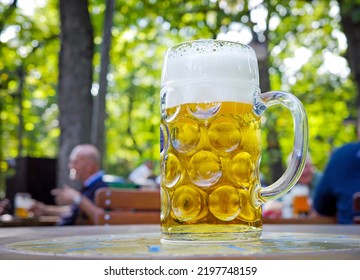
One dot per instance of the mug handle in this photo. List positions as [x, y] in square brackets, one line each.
[298, 156]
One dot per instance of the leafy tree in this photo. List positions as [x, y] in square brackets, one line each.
[28, 109]
[311, 30]
[300, 38]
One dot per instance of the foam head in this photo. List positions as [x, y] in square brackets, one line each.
[210, 70]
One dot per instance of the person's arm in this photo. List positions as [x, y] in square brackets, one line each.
[69, 195]
[41, 209]
[90, 209]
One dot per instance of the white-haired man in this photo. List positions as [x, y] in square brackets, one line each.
[77, 207]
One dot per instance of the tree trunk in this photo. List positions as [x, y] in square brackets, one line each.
[99, 115]
[273, 146]
[75, 80]
[350, 20]
[20, 134]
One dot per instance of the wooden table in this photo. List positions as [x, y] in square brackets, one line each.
[30, 222]
[301, 221]
[143, 242]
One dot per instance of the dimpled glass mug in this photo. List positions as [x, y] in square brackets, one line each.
[211, 145]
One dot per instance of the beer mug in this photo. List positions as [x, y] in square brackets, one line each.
[211, 107]
[22, 202]
[300, 196]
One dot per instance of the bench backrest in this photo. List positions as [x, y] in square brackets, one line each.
[128, 206]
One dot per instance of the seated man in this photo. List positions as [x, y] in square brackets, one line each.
[74, 207]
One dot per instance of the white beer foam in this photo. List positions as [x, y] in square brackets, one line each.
[210, 71]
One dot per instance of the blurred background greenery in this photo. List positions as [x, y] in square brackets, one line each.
[301, 47]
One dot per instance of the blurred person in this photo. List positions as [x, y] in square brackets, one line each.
[340, 180]
[4, 206]
[77, 207]
[283, 207]
[143, 175]
[310, 176]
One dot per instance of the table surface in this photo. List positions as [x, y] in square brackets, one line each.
[10, 221]
[143, 242]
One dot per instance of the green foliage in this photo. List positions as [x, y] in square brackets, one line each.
[328, 95]
[302, 36]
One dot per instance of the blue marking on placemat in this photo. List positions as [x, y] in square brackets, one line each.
[154, 248]
[236, 248]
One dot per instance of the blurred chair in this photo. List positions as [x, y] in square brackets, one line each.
[128, 206]
[356, 207]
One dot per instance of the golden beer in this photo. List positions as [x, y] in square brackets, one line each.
[210, 170]
[301, 205]
[21, 213]
[22, 203]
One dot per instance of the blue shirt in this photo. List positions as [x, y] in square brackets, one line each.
[341, 179]
[93, 178]
[91, 185]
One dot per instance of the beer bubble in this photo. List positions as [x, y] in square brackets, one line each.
[242, 169]
[171, 170]
[165, 204]
[185, 135]
[224, 203]
[204, 110]
[248, 212]
[186, 203]
[204, 169]
[224, 134]
[252, 143]
[206, 103]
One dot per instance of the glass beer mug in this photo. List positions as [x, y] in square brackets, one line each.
[211, 146]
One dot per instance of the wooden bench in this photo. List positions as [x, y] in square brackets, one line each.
[128, 206]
